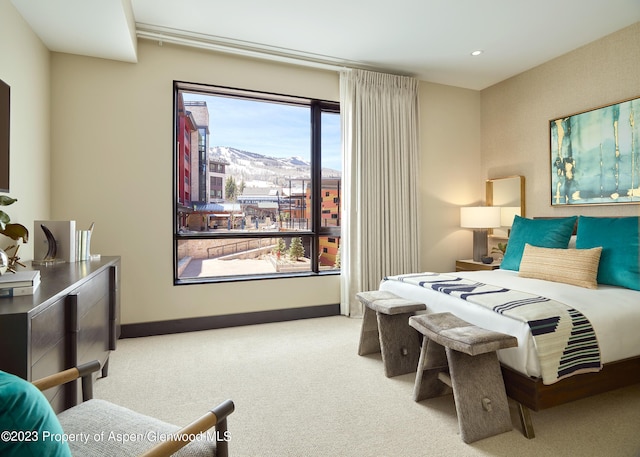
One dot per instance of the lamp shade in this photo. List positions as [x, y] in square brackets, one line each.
[481, 217]
[507, 214]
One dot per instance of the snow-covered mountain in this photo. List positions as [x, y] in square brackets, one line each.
[257, 170]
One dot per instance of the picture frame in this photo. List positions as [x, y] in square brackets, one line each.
[5, 114]
[595, 156]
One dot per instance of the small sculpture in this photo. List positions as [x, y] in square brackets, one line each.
[14, 231]
[52, 249]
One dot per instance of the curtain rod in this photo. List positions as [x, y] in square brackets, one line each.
[212, 43]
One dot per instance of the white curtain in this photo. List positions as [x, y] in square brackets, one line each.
[379, 115]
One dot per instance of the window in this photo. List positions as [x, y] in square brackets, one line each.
[274, 181]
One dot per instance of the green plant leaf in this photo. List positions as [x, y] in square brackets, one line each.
[4, 219]
[15, 232]
[6, 201]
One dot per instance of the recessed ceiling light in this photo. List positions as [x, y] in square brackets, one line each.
[477, 53]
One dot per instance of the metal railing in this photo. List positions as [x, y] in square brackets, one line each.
[237, 246]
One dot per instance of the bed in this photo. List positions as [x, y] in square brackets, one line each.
[594, 272]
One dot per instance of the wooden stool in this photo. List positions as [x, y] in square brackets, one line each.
[468, 353]
[385, 329]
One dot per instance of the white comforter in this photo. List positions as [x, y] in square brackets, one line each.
[614, 313]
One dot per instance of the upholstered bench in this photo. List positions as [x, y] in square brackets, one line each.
[462, 356]
[385, 329]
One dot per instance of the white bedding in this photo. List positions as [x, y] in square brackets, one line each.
[614, 313]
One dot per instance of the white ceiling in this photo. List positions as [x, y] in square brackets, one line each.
[429, 39]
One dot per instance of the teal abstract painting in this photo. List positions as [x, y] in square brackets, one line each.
[595, 156]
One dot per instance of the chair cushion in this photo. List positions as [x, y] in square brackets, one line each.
[114, 431]
[28, 423]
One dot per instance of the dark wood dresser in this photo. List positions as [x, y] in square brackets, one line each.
[72, 318]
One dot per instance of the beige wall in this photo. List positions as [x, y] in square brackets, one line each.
[24, 65]
[449, 172]
[112, 164]
[516, 113]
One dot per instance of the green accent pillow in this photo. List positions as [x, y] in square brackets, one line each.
[28, 424]
[620, 241]
[543, 233]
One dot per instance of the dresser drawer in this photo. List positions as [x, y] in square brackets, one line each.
[91, 293]
[51, 362]
[93, 334]
[47, 329]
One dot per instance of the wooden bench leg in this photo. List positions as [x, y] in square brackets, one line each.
[525, 421]
[399, 343]
[433, 360]
[369, 337]
[481, 400]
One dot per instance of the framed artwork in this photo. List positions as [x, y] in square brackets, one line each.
[5, 111]
[595, 156]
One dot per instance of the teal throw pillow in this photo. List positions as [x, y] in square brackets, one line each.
[28, 424]
[542, 233]
[620, 241]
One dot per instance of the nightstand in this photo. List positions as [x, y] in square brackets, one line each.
[472, 265]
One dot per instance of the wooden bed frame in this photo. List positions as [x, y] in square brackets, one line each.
[532, 394]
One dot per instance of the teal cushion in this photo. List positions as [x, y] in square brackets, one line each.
[620, 241]
[543, 233]
[28, 424]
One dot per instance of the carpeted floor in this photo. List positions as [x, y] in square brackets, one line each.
[300, 389]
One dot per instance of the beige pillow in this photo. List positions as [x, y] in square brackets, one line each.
[571, 266]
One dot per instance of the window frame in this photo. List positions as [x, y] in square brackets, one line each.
[315, 232]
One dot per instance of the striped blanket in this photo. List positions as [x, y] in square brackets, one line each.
[565, 341]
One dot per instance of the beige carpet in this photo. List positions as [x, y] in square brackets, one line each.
[300, 389]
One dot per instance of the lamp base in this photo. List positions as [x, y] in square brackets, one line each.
[480, 244]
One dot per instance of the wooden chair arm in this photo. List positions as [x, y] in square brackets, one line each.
[216, 417]
[66, 376]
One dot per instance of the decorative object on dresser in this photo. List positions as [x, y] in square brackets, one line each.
[24, 282]
[83, 244]
[54, 242]
[17, 232]
[480, 219]
[4, 262]
[73, 317]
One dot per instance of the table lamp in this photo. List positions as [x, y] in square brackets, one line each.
[480, 219]
[507, 214]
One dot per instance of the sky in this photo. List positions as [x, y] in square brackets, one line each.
[270, 129]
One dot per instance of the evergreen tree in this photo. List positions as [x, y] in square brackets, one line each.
[281, 247]
[230, 189]
[296, 250]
